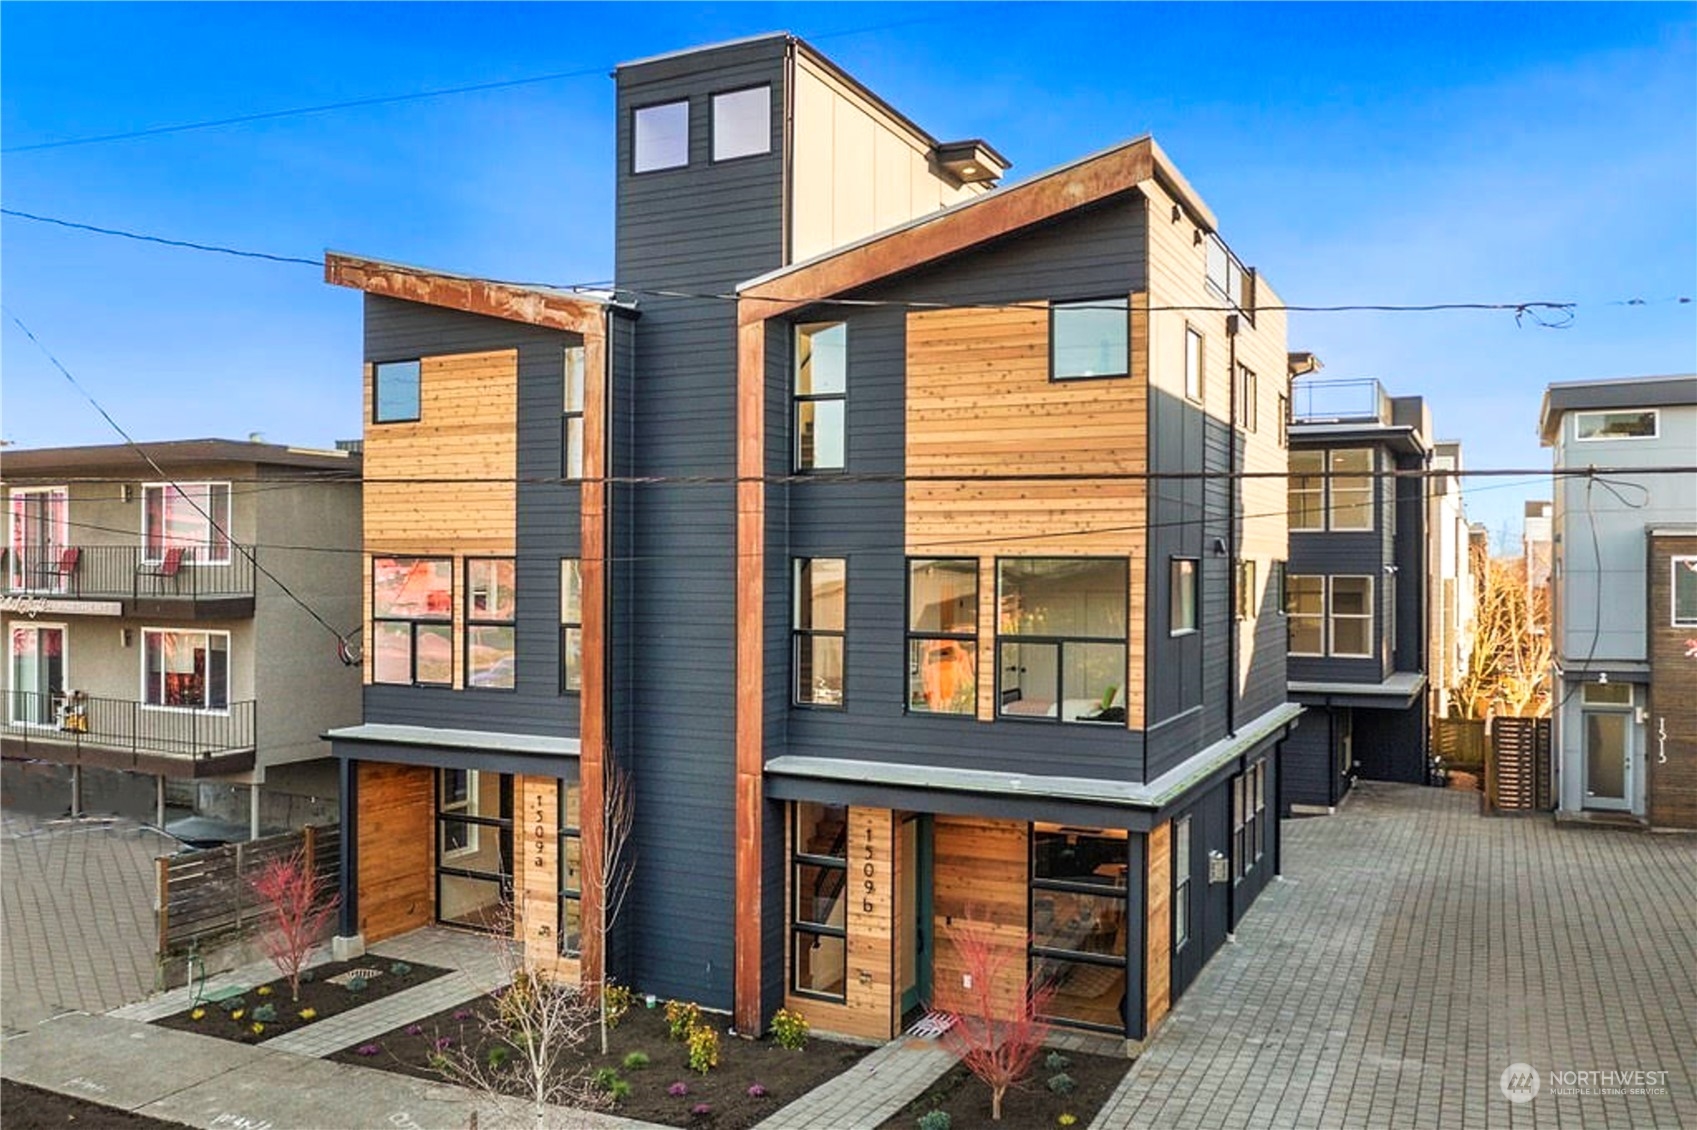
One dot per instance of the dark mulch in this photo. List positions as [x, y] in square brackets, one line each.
[23, 1107]
[1032, 1107]
[785, 1075]
[319, 994]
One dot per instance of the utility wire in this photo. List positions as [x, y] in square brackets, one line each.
[183, 243]
[253, 559]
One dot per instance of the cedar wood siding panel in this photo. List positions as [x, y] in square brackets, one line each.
[701, 228]
[547, 521]
[1095, 254]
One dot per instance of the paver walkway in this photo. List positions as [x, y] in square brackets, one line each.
[869, 1092]
[1413, 952]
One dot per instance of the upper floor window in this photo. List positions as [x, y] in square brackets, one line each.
[571, 625]
[1225, 273]
[1632, 424]
[1684, 590]
[1181, 595]
[40, 529]
[1060, 650]
[1193, 364]
[491, 623]
[1248, 394]
[412, 631]
[194, 517]
[1181, 882]
[1330, 616]
[942, 636]
[395, 396]
[660, 137]
[821, 619]
[189, 670]
[1089, 339]
[742, 123]
[571, 422]
[1284, 420]
[821, 392]
[1339, 500]
[1249, 805]
[1246, 604]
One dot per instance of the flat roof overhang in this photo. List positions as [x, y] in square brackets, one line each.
[440, 747]
[1396, 693]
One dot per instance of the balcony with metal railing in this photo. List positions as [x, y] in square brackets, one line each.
[172, 582]
[1355, 400]
[77, 729]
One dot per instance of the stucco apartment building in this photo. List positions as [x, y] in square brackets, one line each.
[880, 525]
[1624, 577]
[150, 631]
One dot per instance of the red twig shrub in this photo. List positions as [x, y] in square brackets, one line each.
[1000, 1031]
[297, 909]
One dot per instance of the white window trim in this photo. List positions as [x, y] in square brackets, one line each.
[1372, 504]
[1689, 562]
[193, 558]
[229, 673]
[1320, 616]
[1201, 394]
[1655, 415]
[1332, 615]
[11, 671]
[61, 535]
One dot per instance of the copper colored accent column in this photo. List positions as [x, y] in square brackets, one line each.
[751, 594]
[592, 563]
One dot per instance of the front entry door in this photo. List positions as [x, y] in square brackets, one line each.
[916, 919]
[1608, 759]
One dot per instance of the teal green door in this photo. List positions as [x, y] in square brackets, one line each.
[917, 922]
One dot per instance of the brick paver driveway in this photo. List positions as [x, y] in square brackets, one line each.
[77, 927]
[1416, 949]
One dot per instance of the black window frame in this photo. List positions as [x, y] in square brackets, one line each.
[567, 627]
[1118, 302]
[377, 368]
[469, 621]
[1194, 605]
[415, 622]
[713, 157]
[800, 927]
[914, 636]
[799, 398]
[502, 824]
[1035, 952]
[566, 832]
[800, 635]
[1060, 644]
[570, 415]
[1181, 881]
[689, 122]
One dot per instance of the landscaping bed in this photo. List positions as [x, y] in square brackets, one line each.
[265, 1011]
[1033, 1106]
[32, 1108]
[753, 1079]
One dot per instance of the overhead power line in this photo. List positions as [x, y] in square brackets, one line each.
[183, 243]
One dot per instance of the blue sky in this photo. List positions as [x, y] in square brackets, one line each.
[1371, 153]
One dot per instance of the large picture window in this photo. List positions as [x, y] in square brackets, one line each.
[412, 631]
[1330, 616]
[191, 517]
[821, 396]
[186, 670]
[571, 419]
[1331, 489]
[1683, 589]
[821, 618]
[1089, 339]
[571, 625]
[660, 137]
[1060, 649]
[1079, 921]
[819, 888]
[942, 636]
[490, 623]
[396, 392]
[742, 123]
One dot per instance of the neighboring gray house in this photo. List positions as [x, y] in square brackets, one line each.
[149, 630]
[1624, 684]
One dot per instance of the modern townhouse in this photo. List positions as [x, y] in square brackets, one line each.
[163, 617]
[1451, 598]
[884, 526]
[1361, 586]
[1624, 575]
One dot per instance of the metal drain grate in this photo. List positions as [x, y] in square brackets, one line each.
[931, 1025]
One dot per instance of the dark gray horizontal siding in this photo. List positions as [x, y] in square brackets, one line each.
[1175, 695]
[1308, 762]
[1216, 579]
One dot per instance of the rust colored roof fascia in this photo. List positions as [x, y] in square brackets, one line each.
[531, 305]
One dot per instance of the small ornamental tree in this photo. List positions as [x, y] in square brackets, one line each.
[296, 908]
[1000, 1030]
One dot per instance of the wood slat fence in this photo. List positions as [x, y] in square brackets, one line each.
[204, 898]
[1460, 742]
[1517, 766]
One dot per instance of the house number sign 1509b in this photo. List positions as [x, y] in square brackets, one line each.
[869, 877]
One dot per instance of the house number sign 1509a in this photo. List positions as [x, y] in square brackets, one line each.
[868, 877]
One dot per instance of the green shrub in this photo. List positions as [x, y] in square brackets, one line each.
[265, 1013]
[399, 968]
[935, 1120]
[635, 1061]
[497, 1056]
[232, 1004]
[1062, 1084]
[618, 999]
[620, 1090]
[605, 1078]
[1055, 1061]
[703, 1048]
[789, 1029]
[681, 1019]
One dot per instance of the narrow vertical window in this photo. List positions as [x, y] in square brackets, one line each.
[821, 392]
[1284, 420]
[491, 623]
[1181, 882]
[571, 869]
[1305, 609]
[395, 395]
[1247, 604]
[571, 625]
[1683, 590]
[1248, 397]
[1350, 613]
[660, 137]
[1259, 800]
[1181, 596]
[1192, 364]
[571, 421]
[942, 636]
[1307, 491]
[821, 614]
[819, 916]
[1350, 489]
